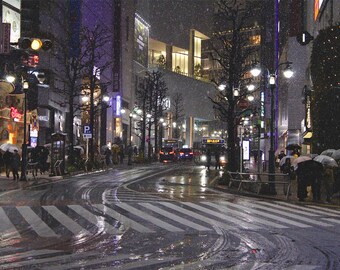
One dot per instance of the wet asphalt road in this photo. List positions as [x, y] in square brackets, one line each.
[163, 216]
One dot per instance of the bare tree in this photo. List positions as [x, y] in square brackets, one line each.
[232, 49]
[77, 50]
[151, 97]
[177, 111]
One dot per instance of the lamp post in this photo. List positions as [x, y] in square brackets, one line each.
[25, 87]
[272, 80]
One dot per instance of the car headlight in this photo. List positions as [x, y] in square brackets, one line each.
[203, 158]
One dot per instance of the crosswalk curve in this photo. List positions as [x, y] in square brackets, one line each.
[150, 217]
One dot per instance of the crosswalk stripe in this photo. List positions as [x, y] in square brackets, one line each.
[297, 217]
[332, 220]
[39, 226]
[196, 216]
[267, 215]
[121, 218]
[149, 218]
[250, 217]
[7, 228]
[71, 225]
[96, 220]
[176, 218]
[222, 216]
[312, 209]
[290, 209]
[326, 210]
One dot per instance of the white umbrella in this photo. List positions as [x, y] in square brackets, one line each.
[326, 160]
[283, 160]
[336, 154]
[328, 152]
[312, 155]
[300, 159]
[8, 146]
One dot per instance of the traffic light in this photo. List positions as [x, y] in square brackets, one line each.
[35, 44]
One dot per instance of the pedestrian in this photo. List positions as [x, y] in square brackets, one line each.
[121, 154]
[130, 152]
[1, 162]
[135, 150]
[15, 163]
[208, 153]
[281, 155]
[217, 159]
[327, 184]
[286, 168]
[301, 182]
[7, 160]
[108, 156]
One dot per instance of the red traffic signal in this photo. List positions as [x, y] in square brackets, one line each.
[35, 44]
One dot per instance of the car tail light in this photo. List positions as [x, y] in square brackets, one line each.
[161, 152]
[171, 153]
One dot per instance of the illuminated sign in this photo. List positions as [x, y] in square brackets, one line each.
[317, 6]
[118, 105]
[246, 150]
[141, 41]
[13, 17]
[15, 114]
[213, 141]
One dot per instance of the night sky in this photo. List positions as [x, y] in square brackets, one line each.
[171, 20]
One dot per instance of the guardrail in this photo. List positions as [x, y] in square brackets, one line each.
[261, 180]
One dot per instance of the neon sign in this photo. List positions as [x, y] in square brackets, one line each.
[15, 114]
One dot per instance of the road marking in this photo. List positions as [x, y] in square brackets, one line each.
[7, 229]
[124, 220]
[149, 218]
[260, 213]
[249, 217]
[302, 212]
[312, 209]
[174, 217]
[222, 216]
[196, 216]
[332, 220]
[99, 221]
[297, 217]
[38, 225]
[71, 225]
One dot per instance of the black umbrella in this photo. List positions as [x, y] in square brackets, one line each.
[293, 146]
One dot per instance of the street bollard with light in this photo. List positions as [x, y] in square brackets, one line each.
[272, 80]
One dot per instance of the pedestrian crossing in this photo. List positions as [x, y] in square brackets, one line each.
[151, 217]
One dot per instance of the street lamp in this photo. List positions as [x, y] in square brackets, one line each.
[272, 80]
[25, 87]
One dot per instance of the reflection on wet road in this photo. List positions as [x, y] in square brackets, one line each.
[158, 217]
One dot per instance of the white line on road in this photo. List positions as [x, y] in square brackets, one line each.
[124, 220]
[39, 226]
[7, 229]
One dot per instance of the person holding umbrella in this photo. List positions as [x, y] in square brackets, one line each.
[7, 161]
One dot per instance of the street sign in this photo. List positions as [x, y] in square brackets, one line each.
[87, 132]
[5, 38]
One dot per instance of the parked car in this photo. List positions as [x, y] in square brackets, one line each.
[185, 154]
[167, 154]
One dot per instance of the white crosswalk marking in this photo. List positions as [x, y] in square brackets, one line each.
[222, 216]
[196, 216]
[149, 218]
[7, 229]
[249, 217]
[40, 227]
[71, 225]
[96, 220]
[264, 214]
[124, 220]
[176, 218]
[297, 217]
[290, 209]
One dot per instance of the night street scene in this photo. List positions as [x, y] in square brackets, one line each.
[170, 134]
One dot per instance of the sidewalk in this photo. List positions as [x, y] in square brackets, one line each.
[252, 168]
